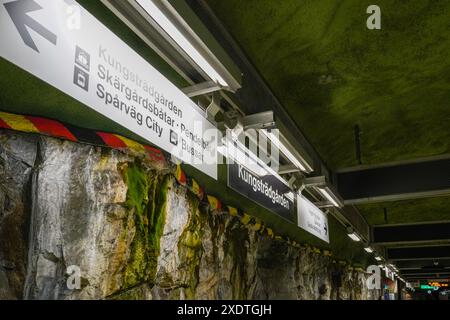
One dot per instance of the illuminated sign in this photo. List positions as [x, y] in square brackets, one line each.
[434, 285]
[438, 284]
[427, 287]
[91, 64]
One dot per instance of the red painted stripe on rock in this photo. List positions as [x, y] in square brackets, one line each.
[3, 124]
[111, 140]
[154, 153]
[51, 127]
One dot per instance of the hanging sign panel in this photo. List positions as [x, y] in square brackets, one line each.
[312, 219]
[267, 190]
[64, 45]
[389, 273]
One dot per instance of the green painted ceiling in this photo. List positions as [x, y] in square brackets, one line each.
[411, 211]
[332, 73]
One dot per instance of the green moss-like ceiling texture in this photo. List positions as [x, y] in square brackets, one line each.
[332, 73]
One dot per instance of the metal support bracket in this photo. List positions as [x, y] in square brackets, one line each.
[323, 204]
[289, 168]
[214, 107]
[202, 88]
[261, 120]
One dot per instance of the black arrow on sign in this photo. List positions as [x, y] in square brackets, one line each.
[18, 10]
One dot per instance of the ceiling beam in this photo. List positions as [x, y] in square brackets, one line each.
[426, 277]
[412, 233]
[419, 264]
[416, 253]
[396, 181]
[418, 272]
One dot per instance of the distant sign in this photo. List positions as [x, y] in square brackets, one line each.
[438, 284]
[312, 219]
[268, 190]
[90, 63]
[428, 287]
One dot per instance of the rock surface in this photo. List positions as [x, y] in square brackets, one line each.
[131, 232]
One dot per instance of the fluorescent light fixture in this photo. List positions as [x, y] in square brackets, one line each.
[354, 237]
[352, 234]
[393, 267]
[285, 150]
[290, 196]
[160, 18]
[321, 185]
[330, 196]
[284, 147]
[230, 151]
[378, 258]
[368, 249]
[236, 151]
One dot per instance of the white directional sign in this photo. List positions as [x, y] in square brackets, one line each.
[312, 219]
[63, 44]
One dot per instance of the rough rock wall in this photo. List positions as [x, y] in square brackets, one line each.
[135, 234]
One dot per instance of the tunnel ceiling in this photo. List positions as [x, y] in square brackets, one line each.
[329, 72]
[332, 73]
